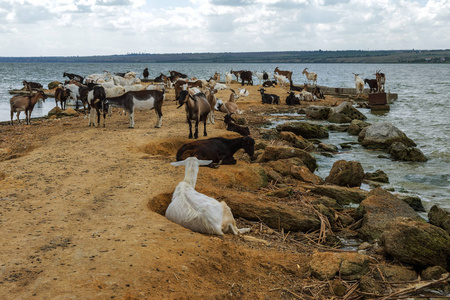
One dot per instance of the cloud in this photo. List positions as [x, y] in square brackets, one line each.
[112, 2]
[97, 27]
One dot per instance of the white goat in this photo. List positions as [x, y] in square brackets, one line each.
[228, 78]
[281, 80]
[243, 92]
[259, 75]
[197, 211]
[134, 87]
[359, 84]
[220, 86]
[312, 77]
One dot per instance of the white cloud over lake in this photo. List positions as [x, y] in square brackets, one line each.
[103, 27]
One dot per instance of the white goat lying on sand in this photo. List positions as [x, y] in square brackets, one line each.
[196, 211]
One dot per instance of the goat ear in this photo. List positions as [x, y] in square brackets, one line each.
[178, 163]
[202, 162]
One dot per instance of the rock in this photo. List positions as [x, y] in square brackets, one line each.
[345, 113]
[395, 273]
[346, 173]
[275, 215]
[283, 166]
[274, 176]
[400, 151]
[433, 273]
[328, 147]
[318, 112]
[350, 266]
[373, 282]
[281, 193]
[328, 202]
[439, 217]
[417, 243]
[305, 129]
[297, 141]
[382, 135]
[282, 152]
[302, 173]
[338, 288]
[378, 176]
[342, 195]
[53, 85]
[378, 209]
[69, 112]
[56, 111]
[356, 126]
[338, 128]
[414, 201]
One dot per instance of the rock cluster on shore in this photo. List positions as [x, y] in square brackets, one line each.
[276, 192]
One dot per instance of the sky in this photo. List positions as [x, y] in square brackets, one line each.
[107, 27]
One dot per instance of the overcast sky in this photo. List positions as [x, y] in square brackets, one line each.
[103, 27]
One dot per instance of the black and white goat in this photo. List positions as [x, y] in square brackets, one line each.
[140, 100]
[269, 98]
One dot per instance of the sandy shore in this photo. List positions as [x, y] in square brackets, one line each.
[76, 224]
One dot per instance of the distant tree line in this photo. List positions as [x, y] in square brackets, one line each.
[319, 56]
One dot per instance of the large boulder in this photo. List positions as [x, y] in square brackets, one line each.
[275, 215]
[417, 243]
[302, 173]
[349, 266]
[375, 282]
[346, 173]
[297, 141]
[318, 112]
[382, 135]
[345, 113]
[283, 152]
[343, 195]
[378, 209]
[356, 126]
[305, 129]
[439, 217]
[378, 176]
[400, 151]
[55, 111]
[414, 201]
[53, 85]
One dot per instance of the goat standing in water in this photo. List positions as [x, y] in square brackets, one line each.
[197, 211]
[20, 103]
[197, 109]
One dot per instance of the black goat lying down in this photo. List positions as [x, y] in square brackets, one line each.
[220, 150]
[231, 126]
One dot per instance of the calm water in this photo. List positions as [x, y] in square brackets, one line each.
[421, 111]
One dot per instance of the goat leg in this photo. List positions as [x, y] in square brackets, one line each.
[190, 128]
[196, 130]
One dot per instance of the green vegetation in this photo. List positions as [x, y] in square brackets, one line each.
[346, 56]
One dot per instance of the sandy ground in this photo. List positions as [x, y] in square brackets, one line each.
[76, 224]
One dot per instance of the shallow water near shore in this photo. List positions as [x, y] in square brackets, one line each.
[421, 111]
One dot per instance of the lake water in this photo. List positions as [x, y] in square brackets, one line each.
[422, 111]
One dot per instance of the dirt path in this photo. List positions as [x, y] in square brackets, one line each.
[75, 222]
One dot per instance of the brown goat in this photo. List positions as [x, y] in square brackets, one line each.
[288, 74]
[20, 103]
[197, 109]
[61, 95]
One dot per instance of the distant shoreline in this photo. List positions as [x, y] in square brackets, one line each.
[342, 56]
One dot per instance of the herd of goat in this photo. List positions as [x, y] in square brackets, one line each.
[188, 207]
[99, 92]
